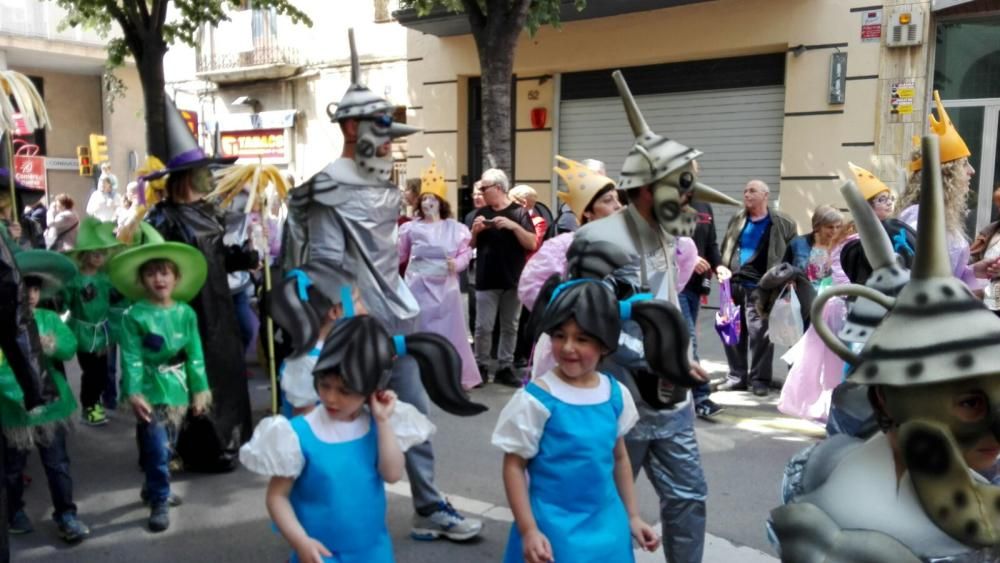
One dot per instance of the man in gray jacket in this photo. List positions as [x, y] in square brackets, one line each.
[755, 241]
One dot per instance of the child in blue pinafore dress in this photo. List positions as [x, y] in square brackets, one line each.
[565, 468]
[329, 467]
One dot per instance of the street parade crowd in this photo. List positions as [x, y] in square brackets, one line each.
[891, 314]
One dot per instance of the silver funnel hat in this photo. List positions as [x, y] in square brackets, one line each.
[375, 123]
[887, 276]
[934, 361]
[666, 165]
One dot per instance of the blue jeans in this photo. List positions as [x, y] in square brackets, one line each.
[55, 460]
[690, 302]
[154, 456]
[110, 395]
[245, 317]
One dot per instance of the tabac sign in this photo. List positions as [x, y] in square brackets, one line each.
[268, 145]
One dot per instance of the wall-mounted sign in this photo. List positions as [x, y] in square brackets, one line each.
[871, 26]
[29, 168]
[838, 78]
[269, 145]
[901, 95]
[191, 119]
[55, 163]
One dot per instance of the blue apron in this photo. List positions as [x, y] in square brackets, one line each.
[339, 498]
[572, 484]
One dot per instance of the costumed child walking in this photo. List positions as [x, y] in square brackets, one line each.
[44, 272]
[88, 297]
[329, 467]
[566, 428]
[163, 367]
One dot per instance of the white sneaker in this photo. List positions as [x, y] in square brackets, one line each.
[447, 522]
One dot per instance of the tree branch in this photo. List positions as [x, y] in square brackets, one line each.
[143, 12]
[128, 30]
[131, 9]
[159, 13]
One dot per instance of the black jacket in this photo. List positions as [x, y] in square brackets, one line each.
[708, 248]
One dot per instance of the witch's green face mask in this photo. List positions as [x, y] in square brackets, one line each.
[201, 180]
[944, 430]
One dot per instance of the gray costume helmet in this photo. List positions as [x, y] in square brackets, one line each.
[376, 124]
[936, 344]
[665, 164]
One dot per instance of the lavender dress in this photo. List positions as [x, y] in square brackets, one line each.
[426, 248]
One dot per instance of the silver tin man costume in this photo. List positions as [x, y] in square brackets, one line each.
[908, 495]
[663, 441]
[345, 215]
[342, 234]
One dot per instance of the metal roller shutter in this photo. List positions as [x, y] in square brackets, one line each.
[738, 129]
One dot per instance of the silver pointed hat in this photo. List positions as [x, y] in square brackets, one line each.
[936, 331]
[654, 157]
[887, 275]
[359, 102]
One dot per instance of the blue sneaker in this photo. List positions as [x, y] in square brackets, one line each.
[20, 524]
[71, 529]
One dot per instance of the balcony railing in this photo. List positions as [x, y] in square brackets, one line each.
[40, 20]
[258, 56]
[247, 47]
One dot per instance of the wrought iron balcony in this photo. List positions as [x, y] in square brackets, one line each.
[247, 48]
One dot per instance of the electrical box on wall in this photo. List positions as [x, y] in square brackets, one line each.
[905, 27]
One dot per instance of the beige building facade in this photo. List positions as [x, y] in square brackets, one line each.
[67, 66]
[788, 91]
[261, 85]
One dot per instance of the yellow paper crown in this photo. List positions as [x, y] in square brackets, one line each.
[952, 145]
[582, 185]
[868, 183]
[432, 180]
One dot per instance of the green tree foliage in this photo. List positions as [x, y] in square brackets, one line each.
[496, 26]
[147, 33]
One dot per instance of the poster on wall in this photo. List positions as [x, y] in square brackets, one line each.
[871, 26]
[901, 96]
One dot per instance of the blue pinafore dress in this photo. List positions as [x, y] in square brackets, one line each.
[572, 486]
[340, 497]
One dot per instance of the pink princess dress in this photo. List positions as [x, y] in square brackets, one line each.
[808, 389]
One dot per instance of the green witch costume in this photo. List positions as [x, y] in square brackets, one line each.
[21, 428]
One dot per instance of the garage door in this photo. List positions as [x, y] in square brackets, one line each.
[738, 129]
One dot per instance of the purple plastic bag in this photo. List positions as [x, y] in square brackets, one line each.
[727, 319]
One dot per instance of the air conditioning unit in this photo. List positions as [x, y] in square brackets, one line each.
[905, 27]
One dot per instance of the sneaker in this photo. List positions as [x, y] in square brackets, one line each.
[445, 521]
[707, 408]
[760, 390]
[71, 529]
[95, 416]
[731, 386]
[20, 524]
[505, 376]
[159, 517]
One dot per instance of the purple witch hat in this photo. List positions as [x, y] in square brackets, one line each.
[182, 148]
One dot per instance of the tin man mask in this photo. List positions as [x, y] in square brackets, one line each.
[667, 167]
[934, 360]
[376, 127]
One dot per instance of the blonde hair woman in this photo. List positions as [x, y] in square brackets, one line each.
[956, 175]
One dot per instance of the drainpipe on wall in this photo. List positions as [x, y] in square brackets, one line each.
[556, 102]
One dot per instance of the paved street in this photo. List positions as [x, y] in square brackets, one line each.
[224, 519]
